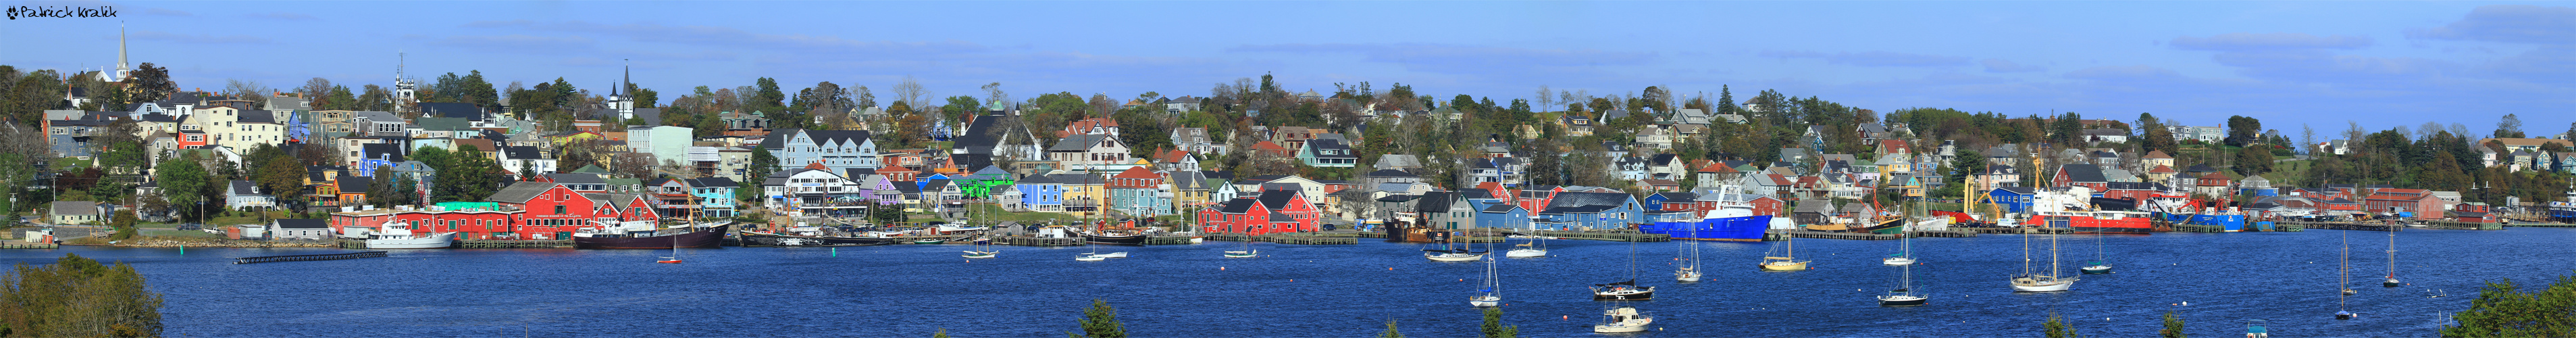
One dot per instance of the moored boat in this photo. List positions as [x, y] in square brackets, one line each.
[1623, 319]
[697, 236]
[805, 238]
[400, 236]
[1628, 290]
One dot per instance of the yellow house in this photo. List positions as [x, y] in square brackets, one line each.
[1084, 194]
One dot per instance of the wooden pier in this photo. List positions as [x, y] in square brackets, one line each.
[303, 258]
[1942, 234]
[2014, 230]
[1313, 239]
[2347, 226]
[2450, 225]
[1842, 235]
[1614, 236]
[1039, 241]
[514, 244]
[2541, 225]
[25, 245]
[1167, 240]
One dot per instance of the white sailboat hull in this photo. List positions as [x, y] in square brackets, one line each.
[1090, 258]
[1485, 301]
[1525, 253]
[1243, 254]
[2027, 285]
[1687, 276]
[1120, 254]
[1452, 257]
[1897, 261]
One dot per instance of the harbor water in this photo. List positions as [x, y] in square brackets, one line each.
[1336, 290]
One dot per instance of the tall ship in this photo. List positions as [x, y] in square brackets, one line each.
[643, 235]
[1733, 220]
[811, 236]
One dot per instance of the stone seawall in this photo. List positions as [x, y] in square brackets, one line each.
[156, 243]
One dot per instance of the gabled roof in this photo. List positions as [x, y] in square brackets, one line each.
[1238, 206]
[1277, 199]
[1580, 199]
[241, 187]
[2082, 173]
[1082, 142]
[354, 184]
[713, 182]
[1390, 173]
[302, 223]
[257, 116]
[520, 192]
[1436, 201]
[2017, 190]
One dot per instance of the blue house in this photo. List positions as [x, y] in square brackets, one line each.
[378, 155]
[715, 195]
[1591, 210]
[2012, 199]
[1495, 214]
[1041, 193]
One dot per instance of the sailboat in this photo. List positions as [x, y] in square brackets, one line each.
[2029, 281]
[1689, 270]
[1621, 319]
[983, 249]
[1450, 252]
[1904, 294]
[1492, 291]
[1247, 251]
[2344, 280]
[674, 258]
[1787, 261]
[1627, 290]
[2100, 263]
[1526, 249]
[1904, 248]
[2392, 262]
[1095, 254]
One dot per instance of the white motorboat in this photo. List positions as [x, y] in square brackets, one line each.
[397, 235]
[1623, 319]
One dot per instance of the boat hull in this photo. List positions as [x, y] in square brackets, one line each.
[441, 240]
[971, 254]
[1897, 261]
[1639, 293]
[708, 237]
[1900, 301]
[1686, 277]
[1435, 257]
[1242, 254]
[1525, 253]
[2096, 270]
[1784, 266]
[1729, 229]
[2138, 225]
[2042, 286]
[1114, 239]
[1639, 326]
[2390, 283]
[1484, 301]
[750, 239]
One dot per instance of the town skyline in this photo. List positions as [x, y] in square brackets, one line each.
[2378, 64]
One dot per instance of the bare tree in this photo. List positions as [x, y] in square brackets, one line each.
[247, 90]
[993, 93]
[632, 165]
[1546, 98]
[315, 88]
[909, 91]
[2307, 138]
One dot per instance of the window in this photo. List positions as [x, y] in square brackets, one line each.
[559, 210]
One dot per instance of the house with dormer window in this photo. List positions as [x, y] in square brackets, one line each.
[1329, 153]
[838, 150]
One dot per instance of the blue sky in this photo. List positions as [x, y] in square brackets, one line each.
[2319, 63]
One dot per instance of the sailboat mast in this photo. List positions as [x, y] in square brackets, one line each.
[2392, 254]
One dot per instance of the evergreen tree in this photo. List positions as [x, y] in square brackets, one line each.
[1494, 327]
[1390, 330]
[77, 297]
[2173, 327]
[2504, 310]
[2057, 328]
[1100, 321]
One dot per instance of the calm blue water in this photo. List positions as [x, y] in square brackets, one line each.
[1313, 291]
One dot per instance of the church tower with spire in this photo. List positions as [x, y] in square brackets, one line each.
[123, 68]
[620, 98]
[406, 90]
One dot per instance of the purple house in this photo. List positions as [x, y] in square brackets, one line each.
[878, 188]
